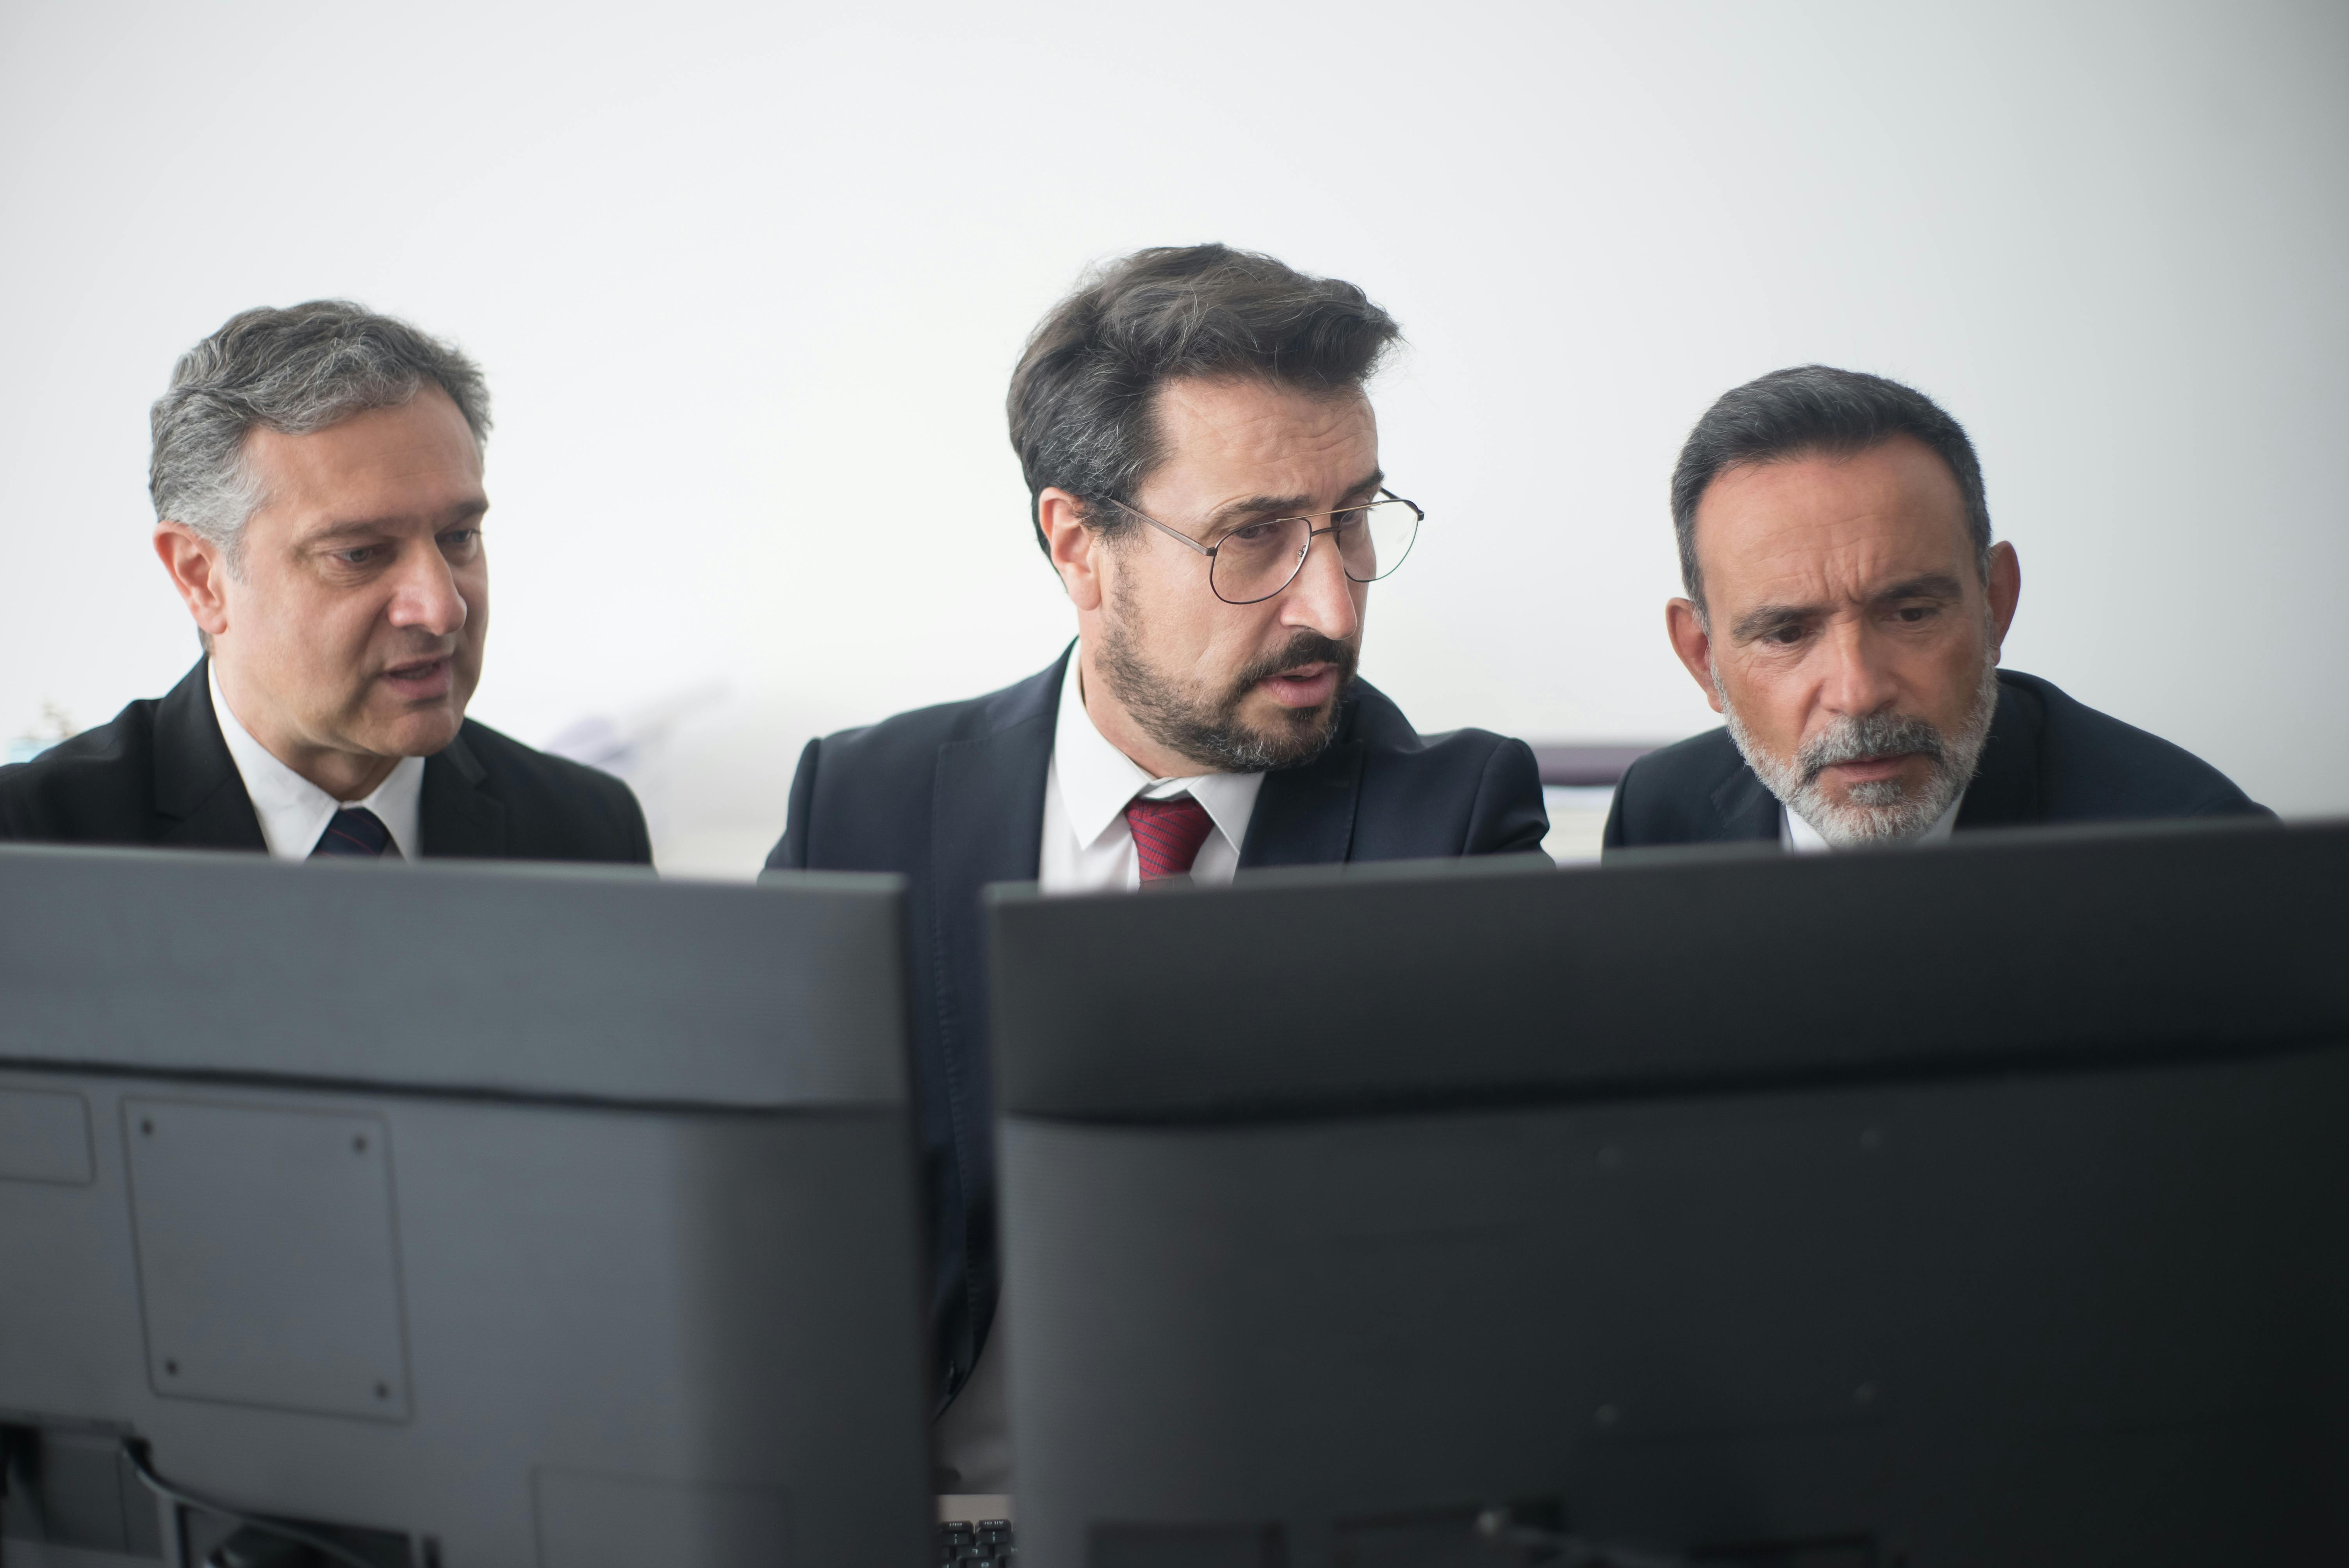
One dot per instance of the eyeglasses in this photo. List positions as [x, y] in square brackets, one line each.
[1257, 560]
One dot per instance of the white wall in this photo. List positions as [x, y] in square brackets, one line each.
[748, 280]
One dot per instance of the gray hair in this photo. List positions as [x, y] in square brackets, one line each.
[1816, 409]
[295, 370]
[1080, 400]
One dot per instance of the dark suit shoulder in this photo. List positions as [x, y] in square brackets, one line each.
[907, 736]
[556, 809]
[1672, 796]
[95, 789]
[1458, 792]
[1380, 726]
[2095, 767]
[861, 798]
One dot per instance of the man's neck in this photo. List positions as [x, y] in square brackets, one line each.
[1117, 727]
[345, 775]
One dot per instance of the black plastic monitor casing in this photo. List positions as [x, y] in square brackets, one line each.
[486, 1214]
[1984, 1204]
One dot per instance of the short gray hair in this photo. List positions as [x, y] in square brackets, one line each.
[295, 370]
[1817, 409]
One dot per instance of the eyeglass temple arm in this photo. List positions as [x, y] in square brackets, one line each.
[1206, 550]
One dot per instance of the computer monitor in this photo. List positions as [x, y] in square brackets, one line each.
[1984, 1205]
[457, 1215]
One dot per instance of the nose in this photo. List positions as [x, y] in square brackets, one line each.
[1320, 597]
[425, 594]
[1858, 677]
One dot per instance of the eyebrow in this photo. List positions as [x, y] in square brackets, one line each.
[1766, 618]
[1930, 585]
[367, 527]
[1286, 505]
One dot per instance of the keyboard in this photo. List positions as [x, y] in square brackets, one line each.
[987, 1545]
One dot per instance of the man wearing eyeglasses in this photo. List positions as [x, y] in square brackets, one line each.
[1204, 464]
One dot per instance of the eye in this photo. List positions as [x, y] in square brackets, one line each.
[1784, 636]
[358, 554]
[1911, 615]
[1253, 534]
[461, 538]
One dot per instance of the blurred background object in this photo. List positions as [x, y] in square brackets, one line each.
[46, 731]
[748, 281]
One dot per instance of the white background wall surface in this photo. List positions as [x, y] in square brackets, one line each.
[748, 281]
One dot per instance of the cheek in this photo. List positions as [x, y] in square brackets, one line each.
[1954, 670]
[473, 587]
[1770, 696]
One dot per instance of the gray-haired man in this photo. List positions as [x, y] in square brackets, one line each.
[316, 475]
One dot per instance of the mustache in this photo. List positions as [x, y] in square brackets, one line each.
[1304, 648]
[1872, 735]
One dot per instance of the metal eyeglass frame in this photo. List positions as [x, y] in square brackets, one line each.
[1419, 516]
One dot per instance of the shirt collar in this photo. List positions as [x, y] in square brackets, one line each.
[294, 811]
[1800, 837]
[1097, 779]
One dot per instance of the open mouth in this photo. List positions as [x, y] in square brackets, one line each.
[419, 680]
[1302, 686]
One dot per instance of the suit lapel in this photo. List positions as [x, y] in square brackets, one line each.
[456, 818]
[1305, 816]
[199, 794]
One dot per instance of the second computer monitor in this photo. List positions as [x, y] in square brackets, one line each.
[1979, 1205]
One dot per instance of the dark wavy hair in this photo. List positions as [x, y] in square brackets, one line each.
[1080, 400]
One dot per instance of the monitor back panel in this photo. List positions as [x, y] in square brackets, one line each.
[569, 1335]
[547, 1215]
[2076, 1319]
[1968, 1207]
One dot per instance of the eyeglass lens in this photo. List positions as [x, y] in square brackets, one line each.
[1257, 560]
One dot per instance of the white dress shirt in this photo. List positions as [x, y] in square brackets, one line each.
[294, 811]
[1088, 847]
[1801, 839]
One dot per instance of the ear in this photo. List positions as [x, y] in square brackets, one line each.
[199, 569]
[1076, 550]
[1685, 626]
[2005, 587]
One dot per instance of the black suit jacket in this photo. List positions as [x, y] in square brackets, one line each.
[2048, 759]
[159, 776]
[952, 798]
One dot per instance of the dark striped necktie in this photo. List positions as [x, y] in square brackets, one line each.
[1167, 834]
[355, 831]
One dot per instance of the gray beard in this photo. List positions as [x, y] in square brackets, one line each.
[1880, 810]
[1208, 730]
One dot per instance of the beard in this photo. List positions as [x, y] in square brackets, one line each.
[1876, 811]
[1205, 726]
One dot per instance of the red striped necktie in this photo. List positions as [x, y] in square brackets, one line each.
[1167, 834]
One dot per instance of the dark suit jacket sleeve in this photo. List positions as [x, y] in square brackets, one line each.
[1509, 816]
[792, 852]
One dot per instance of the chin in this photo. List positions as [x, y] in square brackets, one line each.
[1268, 717]
[415, 733]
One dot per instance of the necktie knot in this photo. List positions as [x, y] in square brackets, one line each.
[1167, 834]
[354, 831]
